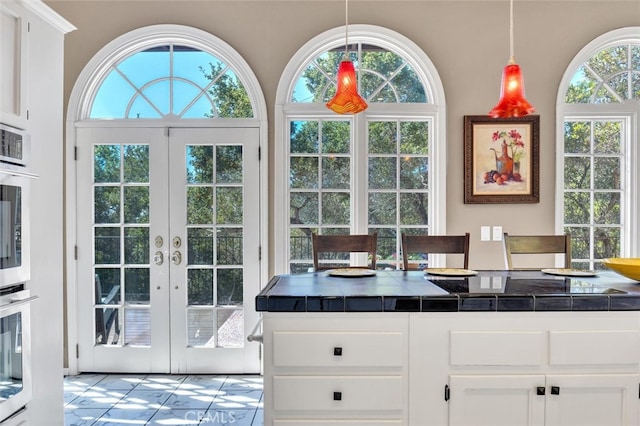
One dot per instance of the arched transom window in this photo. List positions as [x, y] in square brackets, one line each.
[612, 75]
[383, 76]
[171, 81]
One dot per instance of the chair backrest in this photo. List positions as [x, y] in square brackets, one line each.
[436, 244]
[537, 244]
[342, 244]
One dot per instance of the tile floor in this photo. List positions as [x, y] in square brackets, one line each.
[109, 400]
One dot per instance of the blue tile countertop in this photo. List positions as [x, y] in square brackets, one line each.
[417, 291]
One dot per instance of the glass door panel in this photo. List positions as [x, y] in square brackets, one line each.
[173, 250]
[215, 184]
[122, 293]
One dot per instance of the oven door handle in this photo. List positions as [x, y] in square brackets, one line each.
[18, 173]
[18, 302]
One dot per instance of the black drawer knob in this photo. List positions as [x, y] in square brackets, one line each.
[540, 390]
[337, 351]
[337, 396]
[555, 390]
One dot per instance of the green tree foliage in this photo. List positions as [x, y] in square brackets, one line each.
[594, 152]
[229, 95]
[320, 145]
[388, 78]
[610, 76]
[320, 157]
[121, 198]
[213, 174]
[384, 76]
[592, 180]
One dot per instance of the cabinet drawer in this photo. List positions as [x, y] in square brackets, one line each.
[612, 347]
[477, 348]
[338, 393]
[338, 349]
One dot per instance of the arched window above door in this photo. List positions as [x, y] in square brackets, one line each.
[171, 80]
[164, 74]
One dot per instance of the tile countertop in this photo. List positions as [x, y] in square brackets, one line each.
[415, 291]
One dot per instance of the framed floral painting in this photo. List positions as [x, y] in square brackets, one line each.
[501, 159]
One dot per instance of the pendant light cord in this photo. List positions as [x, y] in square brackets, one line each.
[346, 29]
[512, 58]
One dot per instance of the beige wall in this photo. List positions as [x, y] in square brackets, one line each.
[466, 40]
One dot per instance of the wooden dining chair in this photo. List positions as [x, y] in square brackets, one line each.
[336, 249]
[434, 244]
[536, 244]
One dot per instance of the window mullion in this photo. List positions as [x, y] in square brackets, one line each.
[360, 175]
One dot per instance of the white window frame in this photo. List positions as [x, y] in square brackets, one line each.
[434, 111]
[629, 113]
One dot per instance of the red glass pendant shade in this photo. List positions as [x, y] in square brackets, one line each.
[512, 102]
[347, 100]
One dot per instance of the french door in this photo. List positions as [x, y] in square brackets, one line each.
[168, 249]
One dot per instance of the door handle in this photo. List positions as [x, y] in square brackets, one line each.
[158, 258]
[176, 257]
[177, 242]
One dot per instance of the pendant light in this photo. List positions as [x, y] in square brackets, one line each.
[512, 102]
[347, 100]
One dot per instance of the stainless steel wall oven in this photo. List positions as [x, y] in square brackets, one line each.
[15, 272]
[15, 182]
[15, 350]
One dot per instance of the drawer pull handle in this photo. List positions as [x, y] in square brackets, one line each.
[337, 351]
[555, 390]
[337, 396]
[540, 390]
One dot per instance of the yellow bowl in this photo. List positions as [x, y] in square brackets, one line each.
[629, 267]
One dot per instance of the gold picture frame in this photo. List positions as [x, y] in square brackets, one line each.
[501, 159]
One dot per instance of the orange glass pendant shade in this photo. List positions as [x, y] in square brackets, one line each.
[347, 100]
[512, 102]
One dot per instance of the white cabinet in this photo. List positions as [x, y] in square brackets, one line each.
[559, 369]
[335, 369]
[592, 399]
[496, 400]
[461, 368]
[553, 400]
[31, 77]
[13, 64]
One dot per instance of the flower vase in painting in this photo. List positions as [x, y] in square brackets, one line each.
[507, 158]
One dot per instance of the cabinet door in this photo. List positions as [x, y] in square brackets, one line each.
[595, 400]
[13, 64]
[508, 400]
